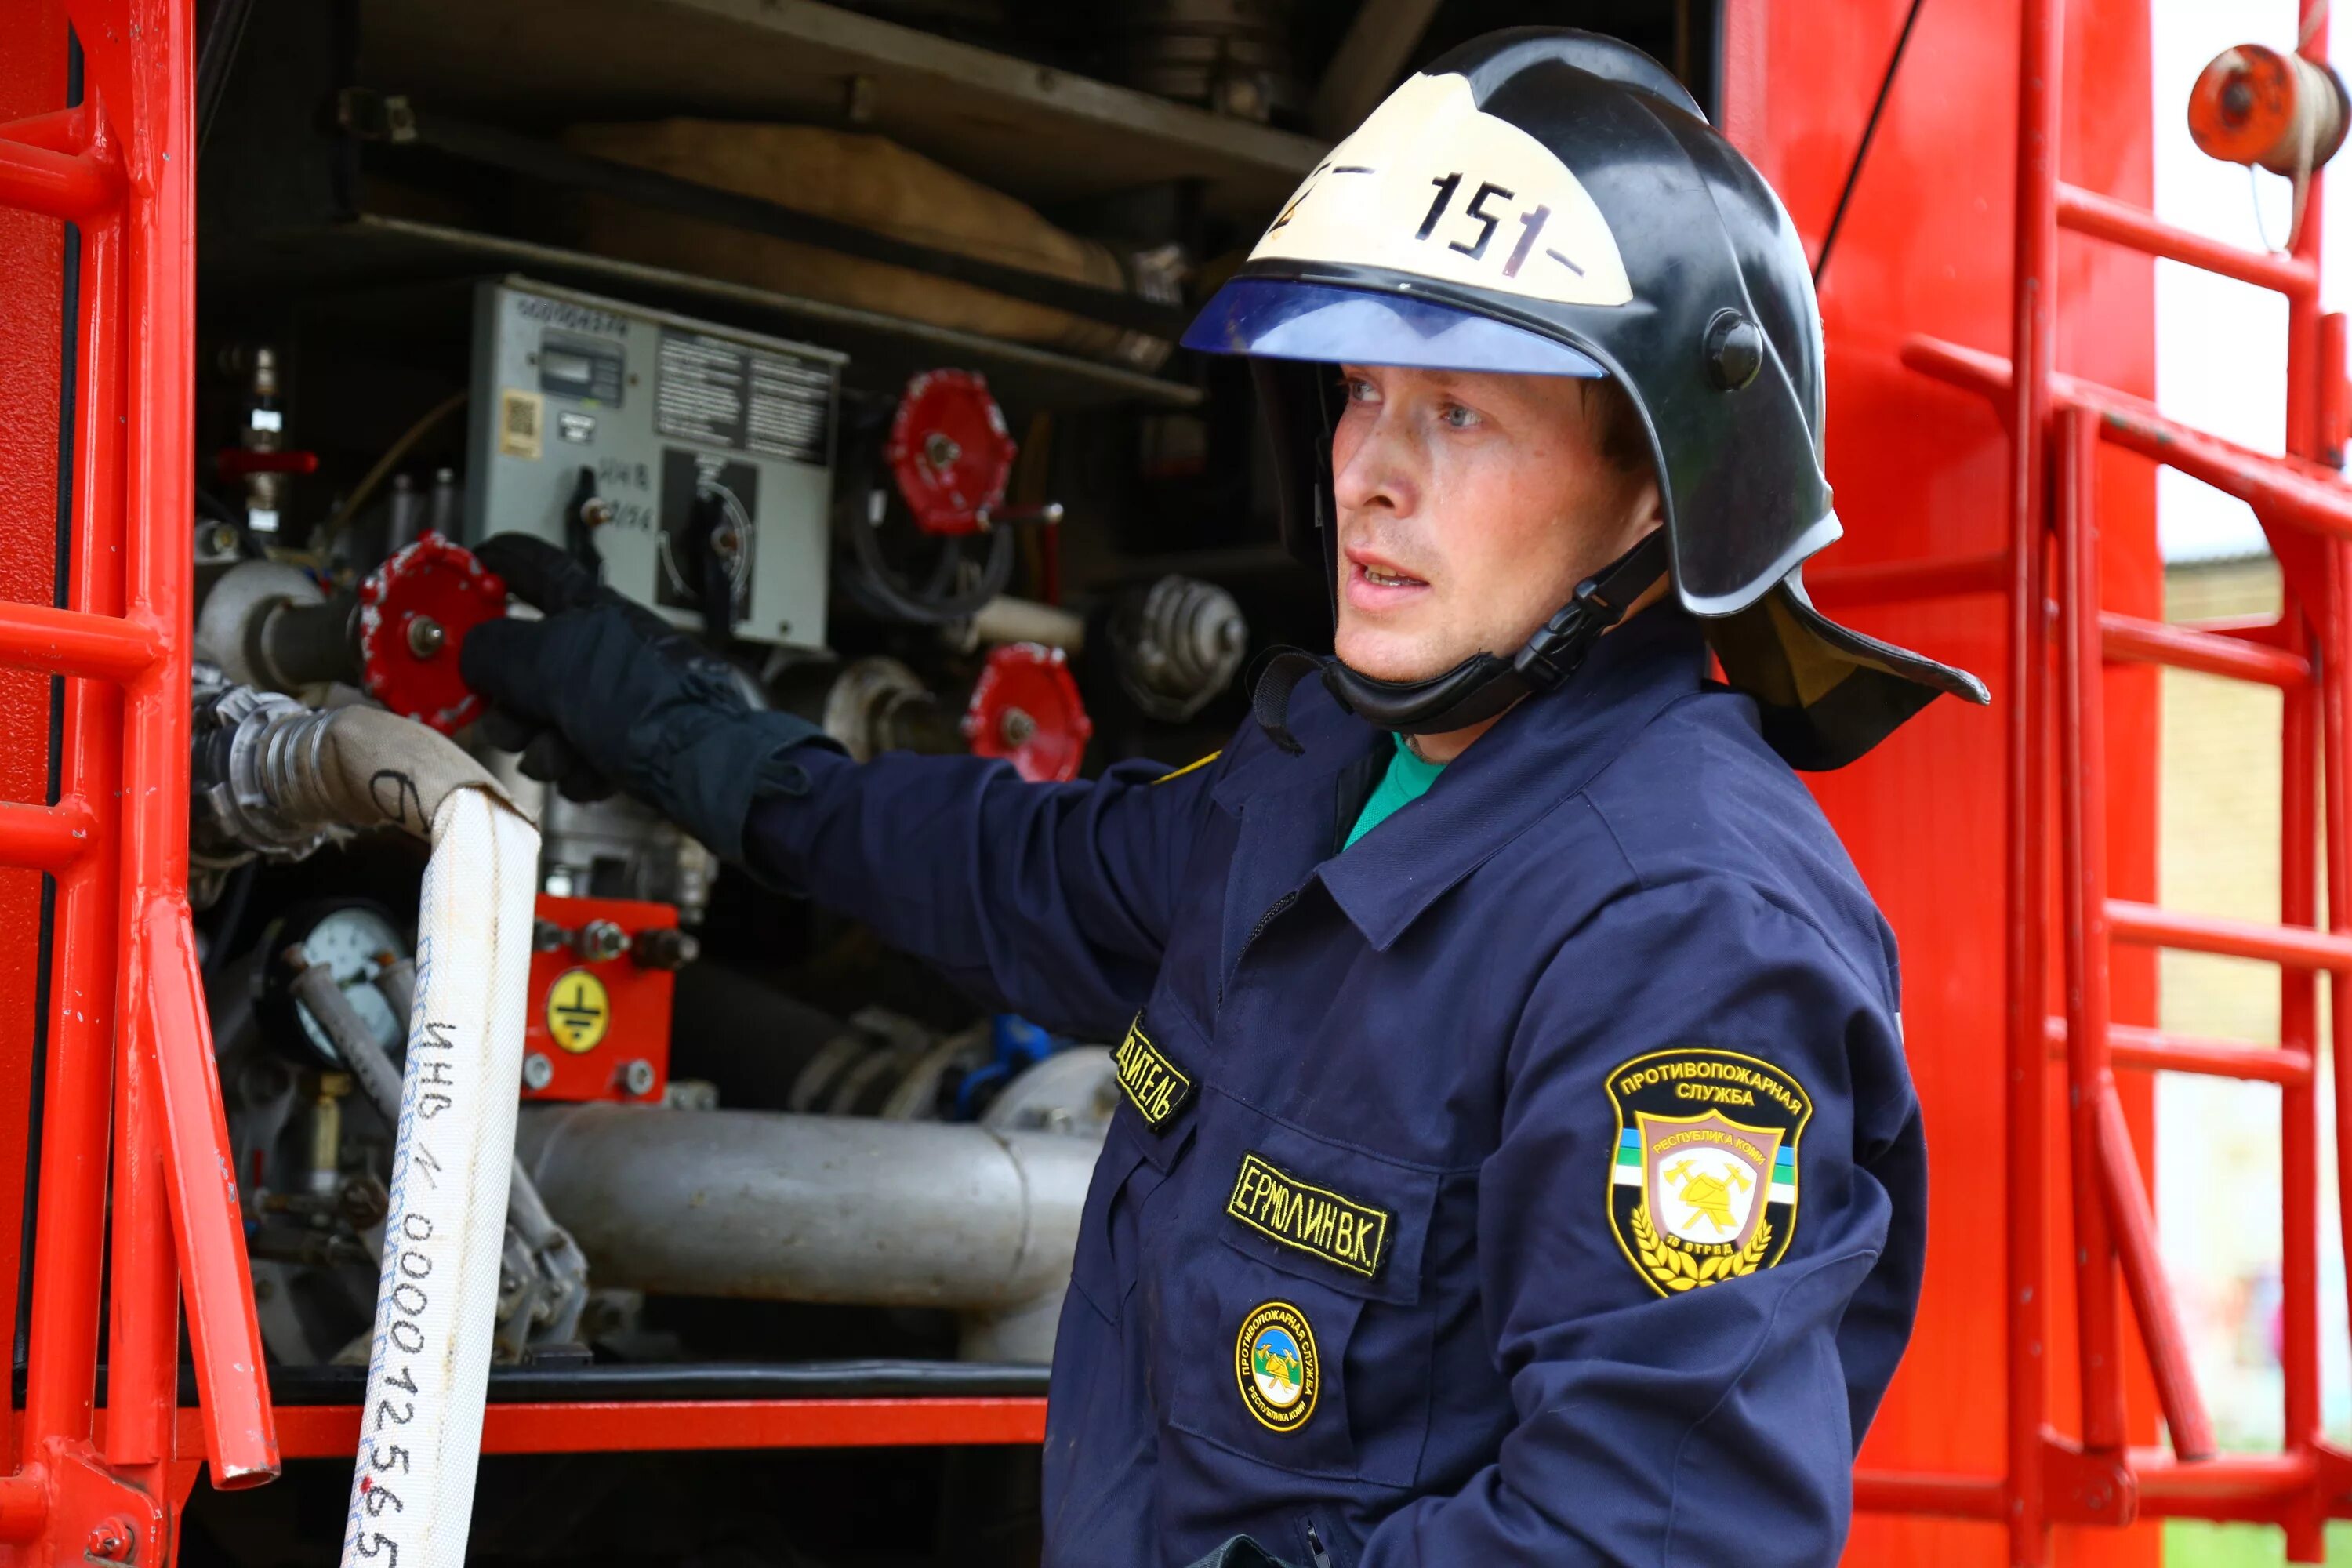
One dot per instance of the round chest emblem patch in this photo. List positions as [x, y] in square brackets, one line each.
[1274, 1362]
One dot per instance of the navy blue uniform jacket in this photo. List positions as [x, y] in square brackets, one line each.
[1394, 1114]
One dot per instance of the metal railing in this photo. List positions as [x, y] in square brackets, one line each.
[129, 1061]
[2057, 842]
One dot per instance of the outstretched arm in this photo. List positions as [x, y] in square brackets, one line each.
[1054, 899]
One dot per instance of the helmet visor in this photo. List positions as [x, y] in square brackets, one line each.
[1282, 317]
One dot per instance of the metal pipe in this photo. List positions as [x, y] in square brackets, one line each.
[45, 837]
[2315, 397]
[2104, 217]
[97, 645]
[2334, 392]
[68, 1241]
[2281, 491]
[2133, 1220]
[169, 1047]
[299, 645]
[2303, 309]
[2159, 1050]
[314, 985]
[57, 184]
[1947, 1497]
[2032, 350]
[1006, 619]
[2334, 705]
[2299, 1099]
[2165, 1484]
[2130, 639]
[2297, 949]
[776, 1207]
[2083, 797]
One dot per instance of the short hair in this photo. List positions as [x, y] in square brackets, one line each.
[1625, 442]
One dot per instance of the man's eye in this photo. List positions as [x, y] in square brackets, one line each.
[1359, 390]
[1459, 418]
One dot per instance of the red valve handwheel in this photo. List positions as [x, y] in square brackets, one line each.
[414, 613]
[1025, 708]
[950, 451]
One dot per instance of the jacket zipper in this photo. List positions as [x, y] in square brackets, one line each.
[1315, 1546]
[1263, 921]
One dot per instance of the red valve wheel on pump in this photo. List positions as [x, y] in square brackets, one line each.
[414, 613]
[951, 452]
[1025, 709]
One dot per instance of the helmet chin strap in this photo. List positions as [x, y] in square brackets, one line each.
[1482, 686]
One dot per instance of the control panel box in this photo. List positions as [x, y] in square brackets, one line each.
[693, 461]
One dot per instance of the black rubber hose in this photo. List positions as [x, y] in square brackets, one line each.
[930, 606]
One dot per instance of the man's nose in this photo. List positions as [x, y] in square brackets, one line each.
[1380, 468]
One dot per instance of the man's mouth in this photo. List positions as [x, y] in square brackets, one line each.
[1382, 577]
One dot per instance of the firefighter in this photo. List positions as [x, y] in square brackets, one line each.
[1517, 1161]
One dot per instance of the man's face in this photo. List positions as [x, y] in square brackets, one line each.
[1470, 506]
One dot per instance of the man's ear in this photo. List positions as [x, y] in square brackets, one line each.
[1644, 513]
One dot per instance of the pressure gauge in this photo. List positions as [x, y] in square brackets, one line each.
[352, 941]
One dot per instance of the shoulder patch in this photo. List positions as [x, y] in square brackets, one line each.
[1156, 1087]
[1702, 1183]
[1323, 1223]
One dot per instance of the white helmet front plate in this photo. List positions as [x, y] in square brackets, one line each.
[1433, 186]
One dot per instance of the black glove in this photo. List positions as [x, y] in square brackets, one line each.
[1241, 1552]
[602, 693]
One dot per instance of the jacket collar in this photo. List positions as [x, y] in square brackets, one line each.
[1539, 755]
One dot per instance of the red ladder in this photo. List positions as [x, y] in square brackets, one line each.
[128, 1049]
[2057, 424]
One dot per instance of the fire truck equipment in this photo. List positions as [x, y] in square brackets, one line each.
[2283, 112]
[980, 1220]
[602, 974]
[950, 454]
[2274, 110]
[245, 630]
[690, 463]
[1006, 619]
[263, 438]
[346, 944]
[616, 848]
[543, 1279]
[414, 613]
[1176, 645]
[877, 704]
[950, 451]
[1027, 708]
[138, 1081]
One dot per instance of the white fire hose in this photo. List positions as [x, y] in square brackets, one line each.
[294, 772]
[428, 1368]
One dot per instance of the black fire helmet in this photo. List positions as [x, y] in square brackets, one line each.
[1552, 202]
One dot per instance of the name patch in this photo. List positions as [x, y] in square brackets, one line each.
[1316, 1220]
[1155, 1085]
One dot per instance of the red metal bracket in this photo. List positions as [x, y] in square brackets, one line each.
[2087, 1489]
